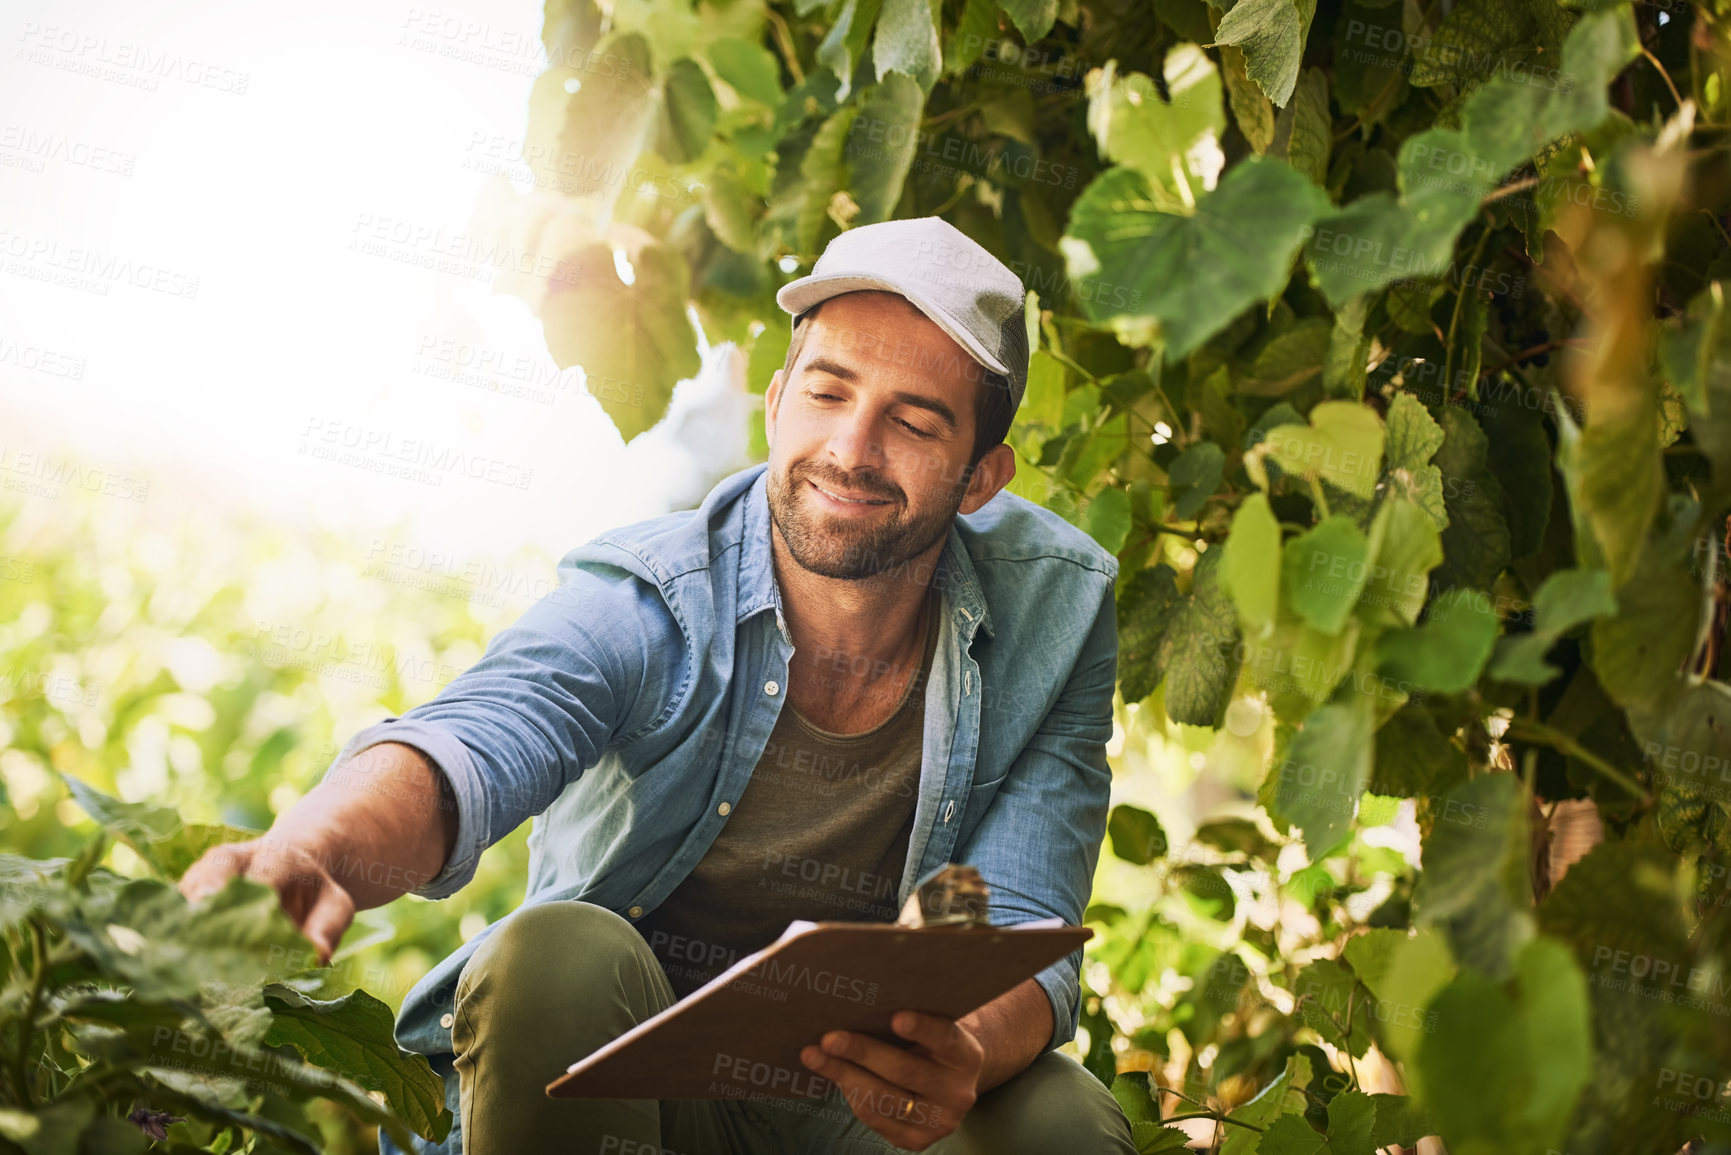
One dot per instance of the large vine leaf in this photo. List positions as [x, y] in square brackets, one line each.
[632, 340]
[1190, 275]
[1197, 651]
[355, 1036]
[1173, 141]
[907, 42]
[1326, 770]
[1504, 1072]
[1271, 33]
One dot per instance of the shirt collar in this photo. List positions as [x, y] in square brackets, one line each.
[758, 589]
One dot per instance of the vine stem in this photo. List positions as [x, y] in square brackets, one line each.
[1455, 318]
[1564, 744]
[1556, 343]
[1666, 76]
[1510, 190]
[1215, 1115]
[39, 955]
[784, 38]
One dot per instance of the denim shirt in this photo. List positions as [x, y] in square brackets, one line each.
[625, 708]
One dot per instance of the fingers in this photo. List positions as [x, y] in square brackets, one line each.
[893, 1064]
[877, 1102]
[947, 1040]
[331, 914]
[213, 870]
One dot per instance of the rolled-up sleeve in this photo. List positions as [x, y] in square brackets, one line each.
[600, 657]
[1039, 841]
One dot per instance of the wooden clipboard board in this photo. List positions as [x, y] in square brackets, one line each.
[740, 1035]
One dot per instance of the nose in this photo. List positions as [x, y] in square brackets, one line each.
[854, 443]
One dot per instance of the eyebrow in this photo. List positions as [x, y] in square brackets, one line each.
[944, 413]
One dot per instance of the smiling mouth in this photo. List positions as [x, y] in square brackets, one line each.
[833, 496]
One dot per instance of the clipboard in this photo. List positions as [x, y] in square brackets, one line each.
[740, 1035]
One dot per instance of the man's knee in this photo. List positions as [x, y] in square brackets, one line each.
[540, 954]
[1054, 1104]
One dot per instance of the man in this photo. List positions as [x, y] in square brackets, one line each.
[796, 701]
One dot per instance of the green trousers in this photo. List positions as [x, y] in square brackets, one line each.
[554, 981]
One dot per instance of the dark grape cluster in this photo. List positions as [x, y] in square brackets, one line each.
[1531, 339]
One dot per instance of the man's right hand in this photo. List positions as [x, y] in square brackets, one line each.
[310, 894]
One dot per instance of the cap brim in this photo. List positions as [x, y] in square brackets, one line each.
[796, 297]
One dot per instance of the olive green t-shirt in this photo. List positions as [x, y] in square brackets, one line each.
[820, 832]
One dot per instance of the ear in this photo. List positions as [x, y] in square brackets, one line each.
[772, 403]
[993, 472]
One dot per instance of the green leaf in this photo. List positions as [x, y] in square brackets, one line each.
[1250, 108]
[1335, 1005]
[1414, 758]
[750, 69]
[156, 833]
[1351, 1121]
[1476, 546]
[633, 341]
[896, 104]
[1032, 18]
[1406, 547]
[1169, 143]
[1447, 652]
[1696, 356]
[1400, 1122]
[1209, 894]
[1325, 771]
[1312, 139]
[1197, 650]
[1250, 572]
[1480, 39]
[688, 111]
[1323, 571]
[907, 42]
[1637, 653]
[1192, 274]
[1195, 476]
[1568, 598]
[1475, 883]
[1413, 438]
[1107, 518]
[1271, 33]
[1504, 1073]
[1291, 359]
[822, 170]
[1520, 459]
[355, 1037]
[1153, 1139]
[1342, 445]
[1236, 836]
[842, 45]
[1136, 835]
[1620, 485]
[1404, 972]
[1131, 1090]
[1283, 1096]
[1147, 604]
[1343, 369]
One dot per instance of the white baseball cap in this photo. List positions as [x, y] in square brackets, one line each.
[965, 290]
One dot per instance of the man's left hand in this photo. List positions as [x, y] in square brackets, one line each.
[914, 1097]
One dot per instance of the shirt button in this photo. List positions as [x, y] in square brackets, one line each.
[772, 688]
[635, 912]
[724, 808]
[445, 1021]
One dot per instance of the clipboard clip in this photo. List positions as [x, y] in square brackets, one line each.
[952, 895]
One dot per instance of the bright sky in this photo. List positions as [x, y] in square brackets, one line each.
[180, 185]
